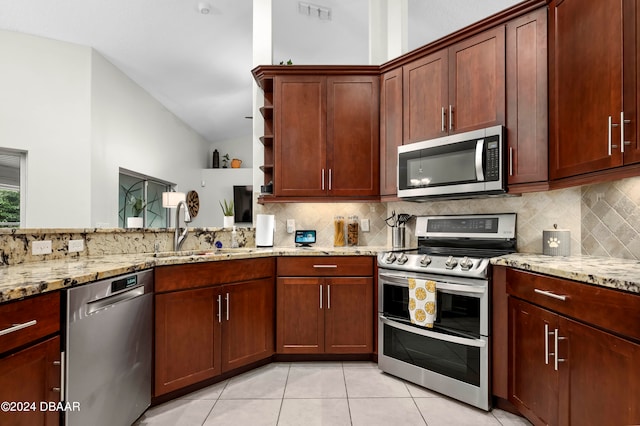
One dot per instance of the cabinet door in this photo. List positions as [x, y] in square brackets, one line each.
[349, 315]
[353, 132]
[300, 136]
[599, 379]
[533, 384]
[300, 316]
[248, 323]
[631, 72]
[390, 130]
[585, 72]
[477, 81]
[30, 376]
[187, 340]
[527, 106]
[426, 97]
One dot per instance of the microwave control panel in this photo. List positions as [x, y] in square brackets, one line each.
[492, 158]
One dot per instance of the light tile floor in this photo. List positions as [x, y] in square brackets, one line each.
[320, 393]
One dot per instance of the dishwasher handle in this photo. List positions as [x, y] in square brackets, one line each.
[97, 305]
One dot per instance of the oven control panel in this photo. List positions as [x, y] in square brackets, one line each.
[445, 265]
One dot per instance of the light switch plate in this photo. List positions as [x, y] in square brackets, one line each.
[291, 226]
[76, 245]
[41, 247]
[364, 224]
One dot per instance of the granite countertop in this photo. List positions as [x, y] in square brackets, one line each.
[619, 274]
[26, 279]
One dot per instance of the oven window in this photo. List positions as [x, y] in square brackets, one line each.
[456, 313]
[453, 360]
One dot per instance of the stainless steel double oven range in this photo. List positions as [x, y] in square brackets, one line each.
[452, 357]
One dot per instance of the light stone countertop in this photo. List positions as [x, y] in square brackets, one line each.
[619, 274]
[26, 279]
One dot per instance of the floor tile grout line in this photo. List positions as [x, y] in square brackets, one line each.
[226, 383]
[284, 391]
[346, 393]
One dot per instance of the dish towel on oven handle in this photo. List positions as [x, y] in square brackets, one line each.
[422, 302]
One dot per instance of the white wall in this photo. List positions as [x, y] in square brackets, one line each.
[130, 129]
[80, 119]
[45, 109]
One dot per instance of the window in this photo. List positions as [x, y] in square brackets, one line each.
[12, 178]
[140, 196]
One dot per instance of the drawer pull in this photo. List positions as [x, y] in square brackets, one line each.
[325, 266]
[17, 327]
[550, 294]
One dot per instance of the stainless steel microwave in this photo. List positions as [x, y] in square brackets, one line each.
[463, 165]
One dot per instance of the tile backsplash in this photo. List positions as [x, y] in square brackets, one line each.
[604, 219]
[611, 219]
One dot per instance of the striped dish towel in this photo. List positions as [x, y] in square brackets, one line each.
[422, 302]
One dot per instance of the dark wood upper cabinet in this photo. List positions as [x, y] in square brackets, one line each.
[593, 110]
[326, 132]
[353, 131]
[390, 130]
[300, 145]
[527, 105]
[426, 97]
[477, 81]
[456, 89]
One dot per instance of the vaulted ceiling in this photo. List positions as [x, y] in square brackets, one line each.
[198, 65]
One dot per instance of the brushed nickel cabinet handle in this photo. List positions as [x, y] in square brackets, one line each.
[557, 359]
[330, 176]
[17, 327]
[622, 141]
[227, 299]
[510, 161]
[325, 266]
[550, 294]
[611, 126]
[320, 296]
[323, 179]
[328, 296]
[443, 120]
[450, 117]
[219, 308]
[546, 344]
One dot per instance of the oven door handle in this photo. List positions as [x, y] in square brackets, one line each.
[402, 281]
[438, 336]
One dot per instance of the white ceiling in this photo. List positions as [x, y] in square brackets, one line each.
[198, 66]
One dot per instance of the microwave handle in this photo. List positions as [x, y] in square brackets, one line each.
[402, 281]
[479, 158]
[438, 336]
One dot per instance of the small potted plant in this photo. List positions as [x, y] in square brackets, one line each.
[227, 211]
[137, 207]
[225, 161]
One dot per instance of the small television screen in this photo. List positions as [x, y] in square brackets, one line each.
[243, 203]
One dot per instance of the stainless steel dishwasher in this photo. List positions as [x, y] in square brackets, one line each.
[108, 350]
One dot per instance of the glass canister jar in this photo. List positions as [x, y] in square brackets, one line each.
[352, 231]
[338, 231]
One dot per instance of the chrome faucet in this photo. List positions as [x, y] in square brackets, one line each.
[178, 238]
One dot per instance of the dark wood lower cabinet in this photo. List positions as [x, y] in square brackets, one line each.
[565, 371]
[325, 315]
[31, 376]
[204, 328]
[248, 323]
[188, 338]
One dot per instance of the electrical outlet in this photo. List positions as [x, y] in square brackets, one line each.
[364, 225]
[41, 247]
[76, 245]
[291, 226]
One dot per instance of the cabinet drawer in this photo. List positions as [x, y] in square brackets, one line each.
[325, 266]
[27, 320]
[181, 277]
[612, 310]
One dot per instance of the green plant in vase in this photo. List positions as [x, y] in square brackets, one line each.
[227, 211]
